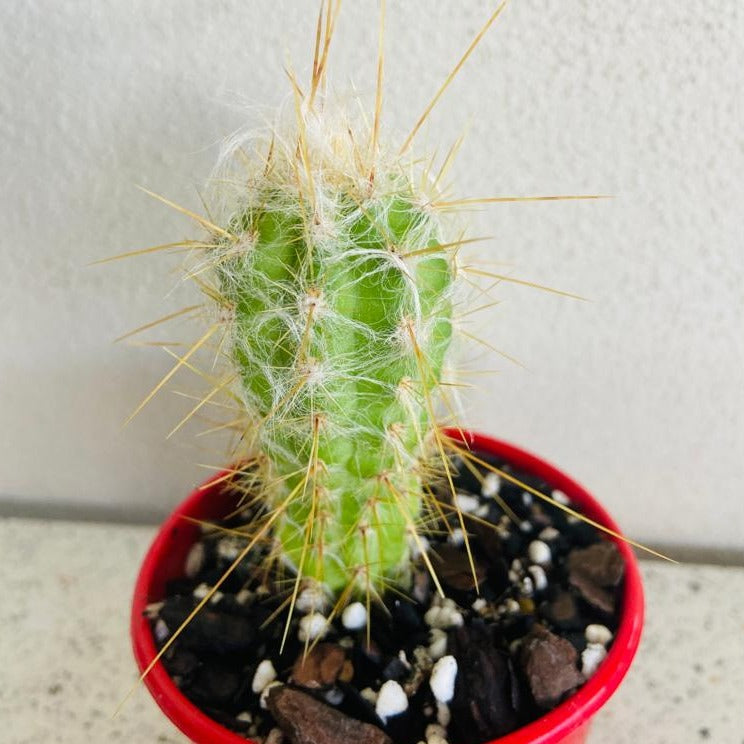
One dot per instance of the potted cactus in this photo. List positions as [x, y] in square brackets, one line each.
[360, 571]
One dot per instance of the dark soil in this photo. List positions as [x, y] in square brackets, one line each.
[545, 611]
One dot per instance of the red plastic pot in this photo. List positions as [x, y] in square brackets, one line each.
[567, 724]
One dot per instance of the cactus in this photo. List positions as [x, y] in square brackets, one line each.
[339, 298]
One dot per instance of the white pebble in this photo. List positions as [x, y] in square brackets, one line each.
[480, 605]
[491, 485]
[598, 634]
[549, 533]
[560, 497]
[527, 587]
[526, 498]
[312, 626]
[435, 729]
[466, 503]
[245, 597]
[438, 645]
[194, 560]
[201, 591]
[311, 598]
[265, 675]
[391, 700]
[539, 552]
[436, 739]
[457, 537]
[443, 617]
[228, 549]
[511, 606]
[591, 657]
[404, 659]
[525, 526]
[482, 511]
[539, 577]
[442, 680]
[216, 598]
[369, 695]
[161, 631]
[443, 714]
[354, 616]
[153, 609]
[245, 716]
[263, 700]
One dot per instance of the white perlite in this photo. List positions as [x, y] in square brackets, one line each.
[457, 537]
[444, 615]
[369, 695]
[161, 631]
[312, 626]
[598, 634]
[591, 657]
[442, 680]
[311, 598]
[539, 578]
[194, 560]
[391, 700]
[264, 676]
[354, 616]
[549, 533]
[465, 502]
[435, 729]
[491, 485]
[228, 548]
[560, 497]
[438, 645]
[443, 714]
[540, 552]
[480, 605]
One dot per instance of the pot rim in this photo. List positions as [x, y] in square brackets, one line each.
[550, 728]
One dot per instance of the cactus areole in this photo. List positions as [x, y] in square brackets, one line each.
[336, 293]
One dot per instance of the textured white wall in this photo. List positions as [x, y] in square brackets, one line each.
[639, 393]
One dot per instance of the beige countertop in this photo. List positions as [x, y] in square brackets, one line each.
[65, 661]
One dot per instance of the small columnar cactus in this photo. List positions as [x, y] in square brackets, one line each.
[336, 291]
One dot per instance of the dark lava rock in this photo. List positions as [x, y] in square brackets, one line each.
[591, 570]
[181, 663]
[483, 703]
[320, 667]
[595, 595]
[562, 612]
[454, 570]
[600, 563]
[306, 721]
[210, 630]
[549, 664]
[216, 685]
